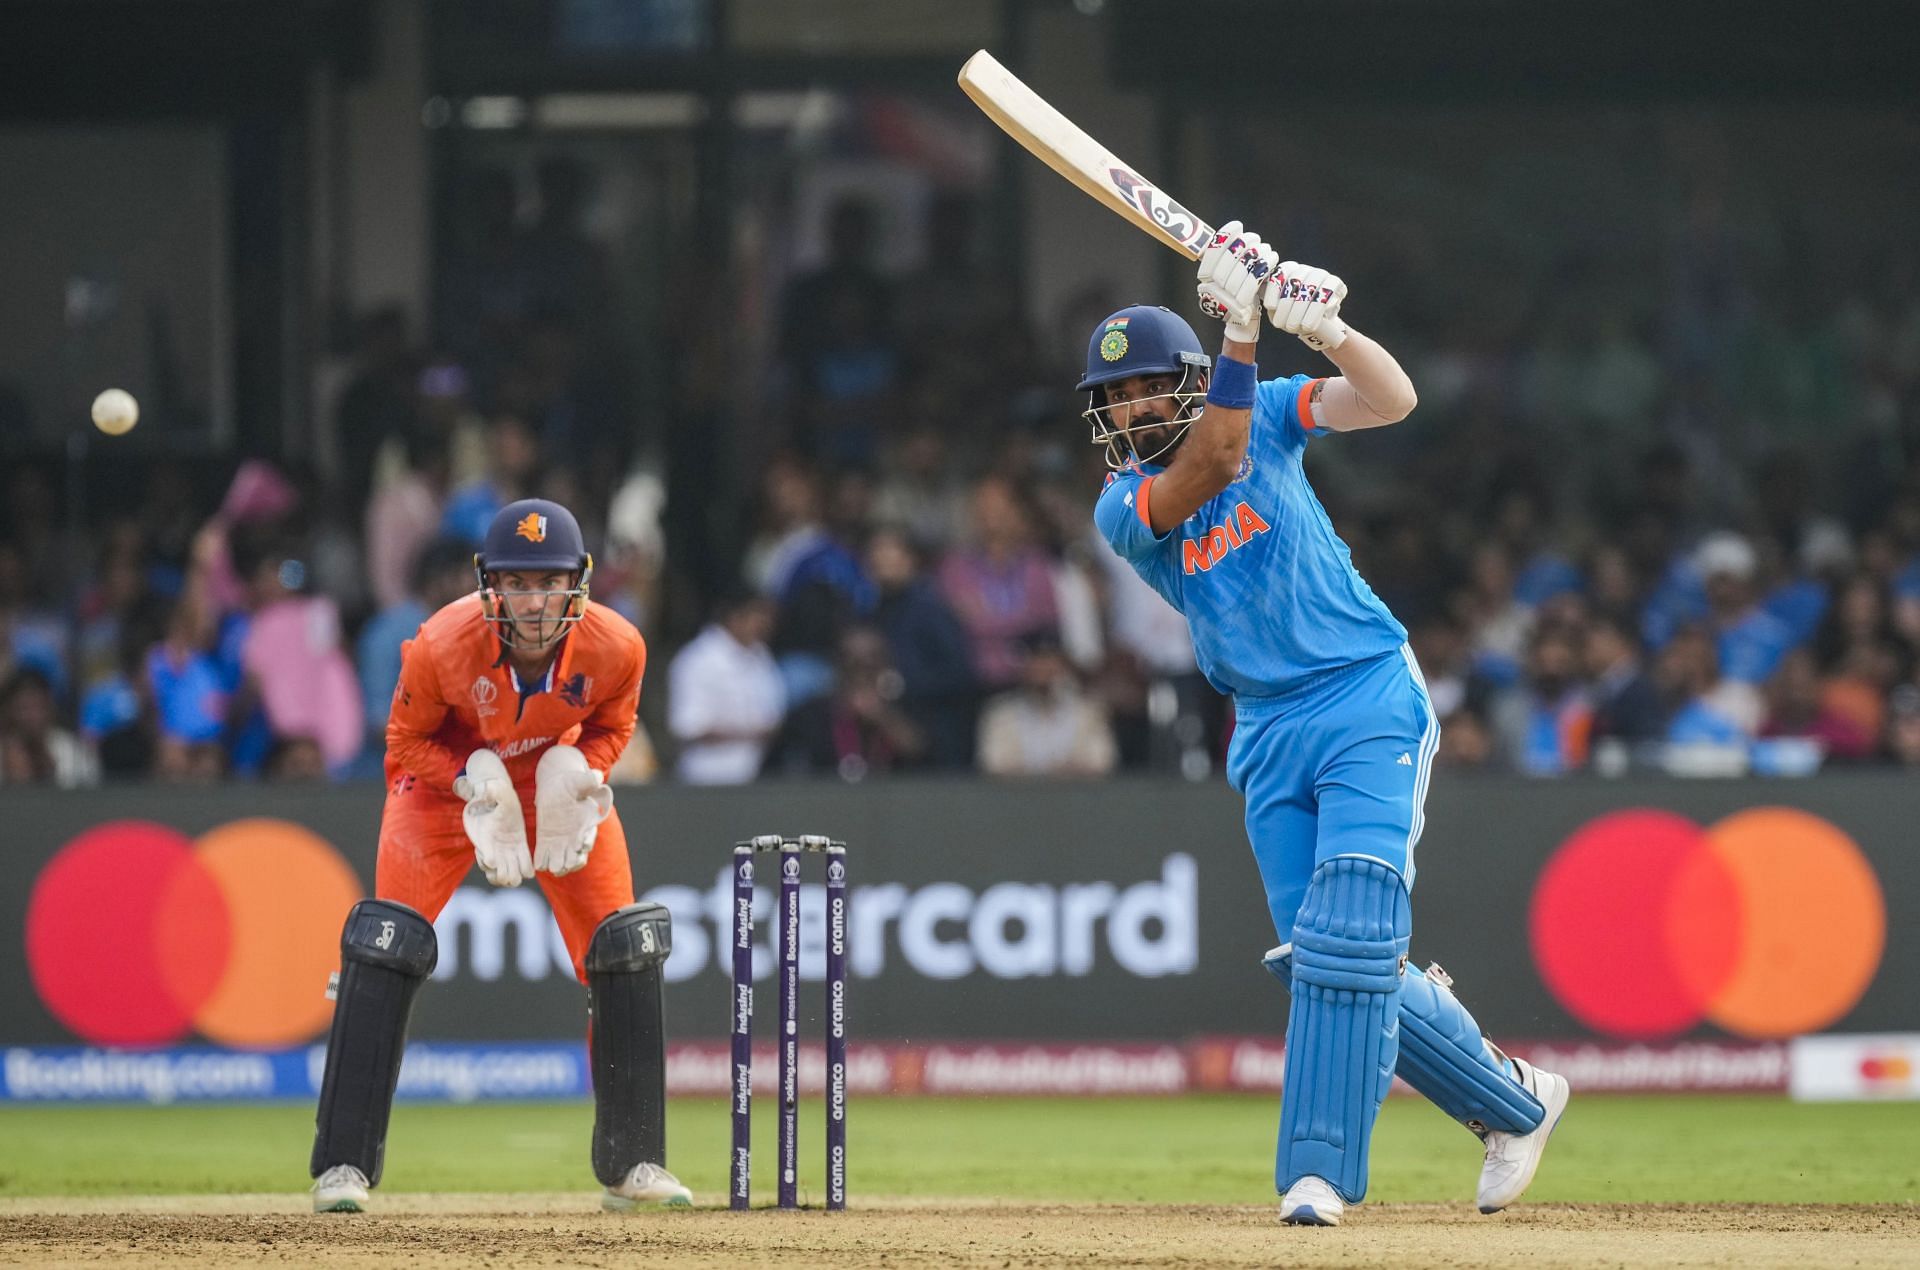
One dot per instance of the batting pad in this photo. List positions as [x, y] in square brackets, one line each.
[1343, 1029]
[1443, 1055]
[627, 1041]
[1445, 1058]
[387, 950]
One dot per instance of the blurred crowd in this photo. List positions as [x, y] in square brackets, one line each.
[1676, 531]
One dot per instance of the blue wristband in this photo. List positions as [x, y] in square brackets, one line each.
[1233, 384]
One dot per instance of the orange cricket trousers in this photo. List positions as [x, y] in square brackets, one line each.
[424, 854]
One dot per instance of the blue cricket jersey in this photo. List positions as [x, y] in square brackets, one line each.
[1267, 587]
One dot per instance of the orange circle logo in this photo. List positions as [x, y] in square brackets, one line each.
[137, 934]
[1769, 923]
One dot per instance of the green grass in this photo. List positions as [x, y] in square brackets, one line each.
[1195, 1150]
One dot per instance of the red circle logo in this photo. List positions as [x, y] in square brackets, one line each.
[1769, 923]
[137, 934]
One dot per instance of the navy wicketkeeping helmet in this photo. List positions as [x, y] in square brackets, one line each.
[1143, 340]
[534, 535]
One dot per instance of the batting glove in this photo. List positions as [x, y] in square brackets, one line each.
[1305, 301]
[1233, 267]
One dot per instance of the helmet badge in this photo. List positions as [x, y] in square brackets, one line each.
[532, 527]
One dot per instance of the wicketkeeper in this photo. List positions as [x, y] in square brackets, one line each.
[512, 705]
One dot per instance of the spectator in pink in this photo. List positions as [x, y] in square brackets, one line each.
[1000, 584]
[402, 519]
[258, 495]
[295, 665]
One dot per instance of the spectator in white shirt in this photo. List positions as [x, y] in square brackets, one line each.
[34, 749]
[724, 697]
[1048, 726]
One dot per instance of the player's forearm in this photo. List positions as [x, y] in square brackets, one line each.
[602, 747]
[1234, 270]
[1206, 464]
[1219, 442]
[430, 762]
[1210, 457]
[1220, 434]
[1381, 392]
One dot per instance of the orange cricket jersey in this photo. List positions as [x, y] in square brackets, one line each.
[457, 694]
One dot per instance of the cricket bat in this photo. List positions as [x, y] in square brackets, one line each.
[1056, 141]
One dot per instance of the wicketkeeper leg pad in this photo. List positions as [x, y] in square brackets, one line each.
[1444, 1056]
[627, 1042]
[1343, 1033]
[387, 950]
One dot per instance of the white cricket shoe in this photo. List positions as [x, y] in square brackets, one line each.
[1513, 1158]
[646, 1184]
[341, 1189]
[1311, 1201]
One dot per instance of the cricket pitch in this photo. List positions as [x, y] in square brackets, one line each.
[517, 1230]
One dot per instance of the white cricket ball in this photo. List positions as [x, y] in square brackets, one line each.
[115, 411]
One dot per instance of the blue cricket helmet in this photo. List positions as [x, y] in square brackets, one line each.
[1142, 339]
[532, 535]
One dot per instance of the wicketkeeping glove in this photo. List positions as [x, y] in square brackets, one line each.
[1232, 270]
[493, 820]
[570, 800]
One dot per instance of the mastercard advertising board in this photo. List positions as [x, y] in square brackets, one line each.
[1645, 934]
[137, 935]
[1768, 923]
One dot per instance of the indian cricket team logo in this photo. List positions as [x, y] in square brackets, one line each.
[1113, 345]
[1245, 470]
[532, 527]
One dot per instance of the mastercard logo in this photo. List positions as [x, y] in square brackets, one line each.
[1886, 1069]
[1769, 923]
[139, 935]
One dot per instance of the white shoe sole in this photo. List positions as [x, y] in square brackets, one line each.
[1311, 1205]
[338, 1204]
[1556, 1106]
[622, 1204]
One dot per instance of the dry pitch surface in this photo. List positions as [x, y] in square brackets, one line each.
[564, 1230]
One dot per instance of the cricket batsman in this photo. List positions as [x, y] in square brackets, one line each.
[1334, 735]
[512, 705]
